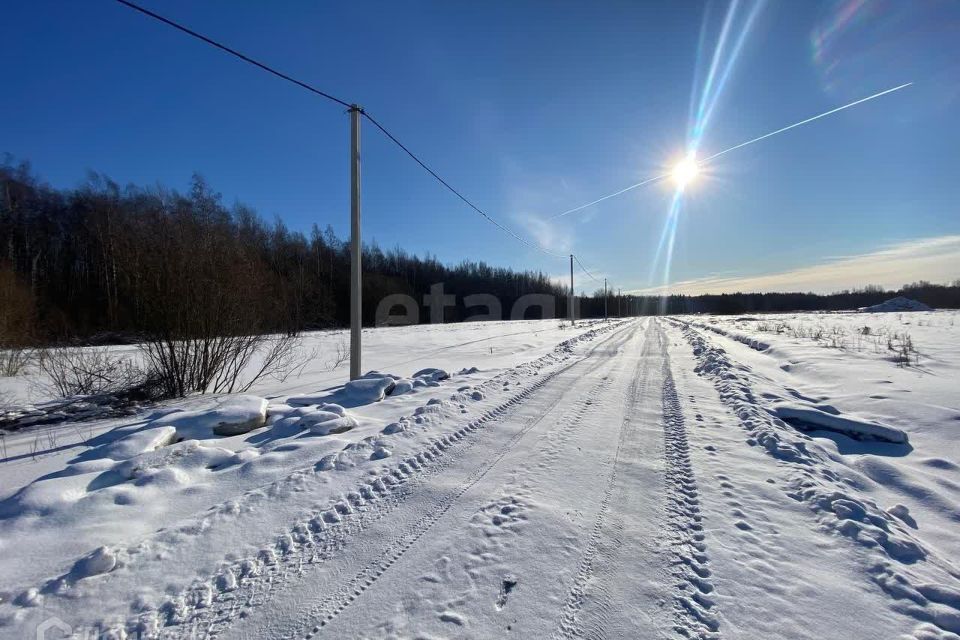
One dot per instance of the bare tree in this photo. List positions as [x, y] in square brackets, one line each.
[16, 322]
[212, 303]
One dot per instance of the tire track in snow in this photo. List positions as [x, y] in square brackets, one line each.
[526, 478]
[920, 583]
[404, 542]
[693, 603]
[684, 528]
[569, 625]
[210, 607]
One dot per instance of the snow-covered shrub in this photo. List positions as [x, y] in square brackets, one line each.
[223, 363]
[76, 371]
[901, 344]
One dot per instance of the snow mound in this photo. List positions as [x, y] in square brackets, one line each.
[859, 429]
[372, 387]
[100, 561]
[327, 423]
[172, 465]
[369, 388]
[140, 442]
[432, 373]
[175, 465]
[899, 303]
[323, 419]
[430, 377]
[232, 416]
[402, 387]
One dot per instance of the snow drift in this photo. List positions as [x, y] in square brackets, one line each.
[800, 415]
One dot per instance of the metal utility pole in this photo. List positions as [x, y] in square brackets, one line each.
[604, 299]
[356, 283]
[571, 291]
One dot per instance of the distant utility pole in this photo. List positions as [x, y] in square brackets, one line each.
[356, 283]
[604, 299]
[619, 303]
[571, 291]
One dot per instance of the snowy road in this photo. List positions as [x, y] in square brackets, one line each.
[572, 514]
[636, 481]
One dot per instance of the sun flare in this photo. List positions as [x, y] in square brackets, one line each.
[685, 171]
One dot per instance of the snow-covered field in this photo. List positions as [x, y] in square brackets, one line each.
[775, 476]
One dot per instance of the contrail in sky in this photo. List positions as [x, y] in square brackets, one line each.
[797, 124]
[612, 195]
[738, 146]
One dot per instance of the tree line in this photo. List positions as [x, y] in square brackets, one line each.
[105, 263]
[938, 296]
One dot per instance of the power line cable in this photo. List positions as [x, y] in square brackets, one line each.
[533, 245]
[232, 52]
[312, 89]
[585, 269]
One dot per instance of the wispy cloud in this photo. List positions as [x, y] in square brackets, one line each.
[528, 197]
[935, 259]
[550, 236]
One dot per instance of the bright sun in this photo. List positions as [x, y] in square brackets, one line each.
[685, 171]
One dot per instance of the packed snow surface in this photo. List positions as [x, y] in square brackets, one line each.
[775, 476]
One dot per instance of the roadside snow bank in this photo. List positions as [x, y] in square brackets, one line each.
[231, 416]
[859, 429]
[323, 420]
[754, 343]
[899, 563]
[136, 443]
[374, 386]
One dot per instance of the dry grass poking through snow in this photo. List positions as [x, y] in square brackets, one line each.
[846, 332]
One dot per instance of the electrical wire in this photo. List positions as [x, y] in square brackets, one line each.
[533, 245]
[585, 269]
[434, 174]
[232, 52]
[373, 121]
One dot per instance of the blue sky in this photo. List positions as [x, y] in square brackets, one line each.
[530, 109]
